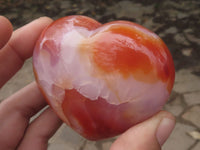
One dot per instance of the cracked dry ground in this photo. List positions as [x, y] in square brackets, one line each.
[177, 23]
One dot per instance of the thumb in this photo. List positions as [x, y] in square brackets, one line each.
[148, 135]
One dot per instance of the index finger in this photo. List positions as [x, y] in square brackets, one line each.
[6, 31]
[20, 47]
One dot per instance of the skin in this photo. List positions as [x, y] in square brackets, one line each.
[16, 132]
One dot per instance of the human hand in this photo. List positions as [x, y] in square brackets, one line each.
[16, 132]
[148, 135]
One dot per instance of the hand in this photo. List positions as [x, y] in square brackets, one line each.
[148, 135]
[16, 132]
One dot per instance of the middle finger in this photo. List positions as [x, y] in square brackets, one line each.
[15, 113]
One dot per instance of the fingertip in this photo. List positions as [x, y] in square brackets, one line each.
[5, 30]
[46, 19]
[165, 128]
[6, 22]
[147, 135]
[164, 114]
[41, 21]
[30, 31]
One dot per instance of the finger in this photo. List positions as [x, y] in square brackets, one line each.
[149, 135]
[26, 102]
[15, 113]
[40, 131]
[5, 31]
[20, 47]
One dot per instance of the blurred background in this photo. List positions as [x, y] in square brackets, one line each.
[176, 22]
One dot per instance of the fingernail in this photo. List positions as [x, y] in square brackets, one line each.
[43, 17]
[164, 130]
[40, 18]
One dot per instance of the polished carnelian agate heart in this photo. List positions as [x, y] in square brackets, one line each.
[102, 79]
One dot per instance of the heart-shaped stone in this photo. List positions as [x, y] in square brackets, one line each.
[102, 79]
